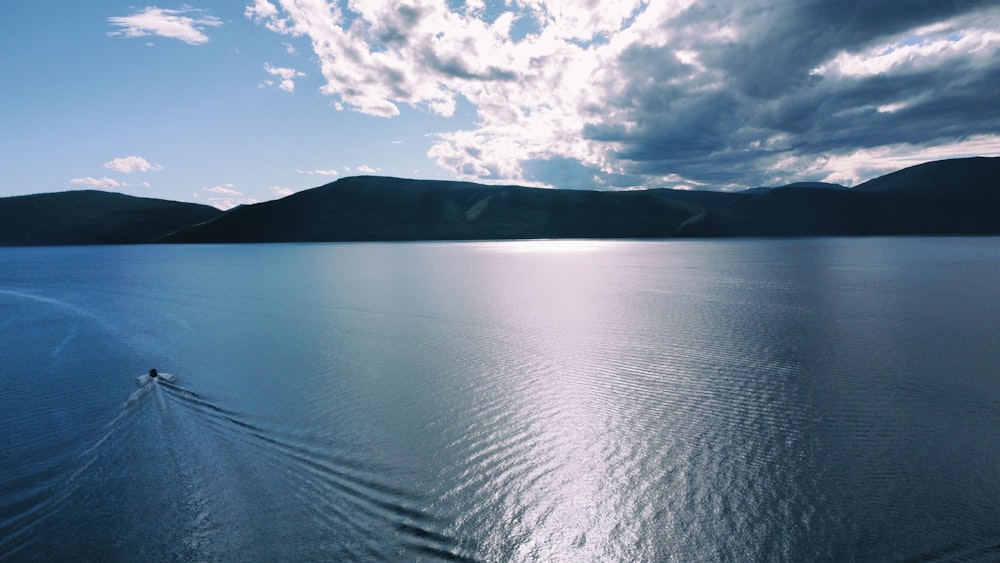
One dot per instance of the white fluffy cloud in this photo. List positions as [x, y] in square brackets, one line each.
[286, 77]
[186, 24]
[130, 164]
[103, 183]
[632, 93]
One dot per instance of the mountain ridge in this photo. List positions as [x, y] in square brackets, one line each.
[957, 196]
[79, 217]
[975, 176]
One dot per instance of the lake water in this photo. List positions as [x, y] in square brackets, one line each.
[732, 400]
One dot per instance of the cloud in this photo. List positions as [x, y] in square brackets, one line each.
[365, 169]
[320, 172]
[572, 174]
[854, 167]
[227, 203]
[225, 196]
[281, 191]
[129, 164]
[287, 77]
[186, 24]
[226, 189]
[683, 93]
[104, 183]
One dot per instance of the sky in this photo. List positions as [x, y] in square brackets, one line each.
[228, 103]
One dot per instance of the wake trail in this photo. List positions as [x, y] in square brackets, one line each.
[185, 450]
[50, 488]
[58, 303]
[338, 490]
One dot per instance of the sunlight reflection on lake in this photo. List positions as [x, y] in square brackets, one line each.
[544, 246]
[740, 400]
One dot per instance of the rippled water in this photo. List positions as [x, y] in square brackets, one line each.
[775, 400]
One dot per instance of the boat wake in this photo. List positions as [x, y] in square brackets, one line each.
[47, 490]
[196, 480]
[351, 503]
[147, 378]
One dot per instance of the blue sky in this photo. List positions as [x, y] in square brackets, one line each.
[227, 103]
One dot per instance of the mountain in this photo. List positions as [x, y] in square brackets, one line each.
[93, 217]
[960, 196]
[968, 178]
[948, 197]
[380, 208]
[820, 185]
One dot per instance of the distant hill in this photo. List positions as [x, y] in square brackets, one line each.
[379, 208]
[820, 185]
[977, 178]
[93, 217]
[960, 196]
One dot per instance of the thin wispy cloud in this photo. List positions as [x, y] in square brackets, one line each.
[640, 93]
[320, 172]
[225, 196]
[226, 189]
[186, 24]
[130, 164]
[103, 183]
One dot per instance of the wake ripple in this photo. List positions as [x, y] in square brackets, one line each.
[47, 491]
[342, 494]
[226, 480]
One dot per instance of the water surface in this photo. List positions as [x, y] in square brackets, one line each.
[780, 400]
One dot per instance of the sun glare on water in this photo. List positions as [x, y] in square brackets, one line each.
[546, 246]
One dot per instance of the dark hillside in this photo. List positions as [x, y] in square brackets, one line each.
[387, 209]
[977, 178]
[959, 196]
[947, 197]
[93, 217]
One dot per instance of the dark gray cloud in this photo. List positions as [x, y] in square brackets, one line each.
[949, 102]
[779, 46]
[456, 67]
[762, 95]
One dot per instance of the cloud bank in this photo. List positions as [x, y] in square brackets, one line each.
[186, 24]
[636, 93]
